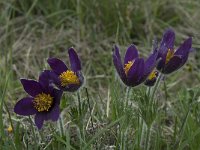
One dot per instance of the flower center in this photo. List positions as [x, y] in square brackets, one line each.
[170, 54]
[42, 102]
[128, 66]
[153, 75]
[68, 77]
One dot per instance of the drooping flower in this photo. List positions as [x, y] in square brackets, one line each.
[134, 70]
[170, 59]
[64, 78]
[43, 100]
[151, 79]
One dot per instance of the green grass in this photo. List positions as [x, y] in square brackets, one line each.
[112, 116]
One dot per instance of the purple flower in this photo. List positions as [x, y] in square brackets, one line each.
[64, 78]
[134, 70]
[170, 59]
[43, 100]
[151, 79]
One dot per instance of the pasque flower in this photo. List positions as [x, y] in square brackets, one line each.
[134, 70]
[151, 79]
[170, 59]
[43, 100]
[64, 78]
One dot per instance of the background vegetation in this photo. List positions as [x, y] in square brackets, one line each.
[31, 31]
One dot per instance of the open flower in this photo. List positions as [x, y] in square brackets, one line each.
[134, 70]
[171, 59]
[43, 100]
[151, 79]
[64, 78]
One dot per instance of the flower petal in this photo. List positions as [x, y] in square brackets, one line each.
[57, 65]
[74, 60]
[45, 81]
[136, 72]
[119, 67]
[54, 113]
[57, 94]
[168, 39]
[150, 63]
[54, 78]
[39, 119]
[160, 64]
[166, 43]
[32, 87]
[116, 52]
[174, 64]
[150, 82]
[185, 48]
[25, 107]
[131, 54]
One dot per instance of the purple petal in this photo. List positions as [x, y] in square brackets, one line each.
[150, 82]
[185, 47]
[74, 60]
[53, 114]
[160, 64]
[150, 63]
[119, 67]
[25, 107]
[166, 43]
[174, 64]
[168, 39]
[116, 52]
[32, 87]
[45, 81]
[57, 65]
[131, 53]
[155, 44]
[39, 119]
[57, 94]
[136, 72]
[54, 78]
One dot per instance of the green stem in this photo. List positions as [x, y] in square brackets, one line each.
[9, 116]
[142, 138]
[166, 93]
[61, 127]
[148, 92]
[79, 103]
[155, 88]
[90, 108]
[149, 107]
[166, 96]
[80, 123]
[182, 129]
[34, 134]
[147, 144]
[126, 96]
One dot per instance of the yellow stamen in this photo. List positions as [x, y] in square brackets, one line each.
[128, 66]
[42, 102]
[10, 129]
[68, 77]
[153, 75]
[170, 54]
